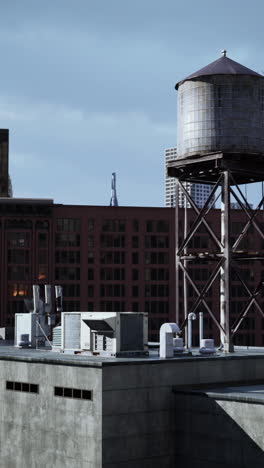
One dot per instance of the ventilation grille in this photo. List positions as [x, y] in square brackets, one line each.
[56, 337]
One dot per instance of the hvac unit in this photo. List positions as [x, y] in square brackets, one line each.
[105, 333]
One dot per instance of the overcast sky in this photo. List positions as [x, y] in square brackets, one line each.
[87, 88]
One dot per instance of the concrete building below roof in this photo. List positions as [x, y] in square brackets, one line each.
[133, 418]
[220, 426]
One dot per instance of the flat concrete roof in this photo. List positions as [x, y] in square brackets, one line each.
[10, 353]
[239, 393]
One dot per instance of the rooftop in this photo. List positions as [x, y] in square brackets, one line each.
[10, 353]
[239, 393]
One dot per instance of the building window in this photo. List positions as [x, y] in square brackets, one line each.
[90, 291]
[110, 241]
[42, 240]
[112, 306]
[18, 273]
[113, 257]
[156, 274]
[67, 274]
[71, 306]
[135, 258]
[18, 239]
[78, 393]
[134, 291]
[90, 257]
[156, 258]
[90, 274]
[71, 290]
[156, 290]
[135, 275]
[91, 224]
[135, 225]
[43, 257]
[114, 225]
[67, 256]
[22, 387]
[110, 274]
[18, 289]
[42, 272]
[157, 226]
[42, 225]
[18, 224]
[18, 256]
[157, 307]
[113, 290]
[135, 242]
[67, 240]
[68, 225]
[90, 242]
[156, 242]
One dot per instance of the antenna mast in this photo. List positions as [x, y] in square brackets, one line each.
[113, 199]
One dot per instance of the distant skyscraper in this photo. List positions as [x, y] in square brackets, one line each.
[170, 155]
[5, 181]
[198, 192]
[113, 199]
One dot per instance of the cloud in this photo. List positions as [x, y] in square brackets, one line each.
[73, 152]
[88, 67]
[88, 88]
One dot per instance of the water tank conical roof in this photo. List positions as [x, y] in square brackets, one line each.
[222, 66]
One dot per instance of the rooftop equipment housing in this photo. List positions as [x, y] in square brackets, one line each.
[105, 333]
[220, 108]
[33, 327]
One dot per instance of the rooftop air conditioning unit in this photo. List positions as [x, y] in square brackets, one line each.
[105, 333]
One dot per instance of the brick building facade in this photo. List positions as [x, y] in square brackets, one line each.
[113, 259]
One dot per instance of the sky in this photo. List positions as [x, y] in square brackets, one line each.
[87, 88]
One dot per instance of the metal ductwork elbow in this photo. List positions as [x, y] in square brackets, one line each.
[167, 330]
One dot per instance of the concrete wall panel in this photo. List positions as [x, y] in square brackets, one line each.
[43, 430]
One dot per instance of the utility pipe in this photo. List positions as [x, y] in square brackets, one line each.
[201, 327]
[191, 316]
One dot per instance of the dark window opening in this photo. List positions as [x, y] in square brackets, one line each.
[22, 387]
[73, 393]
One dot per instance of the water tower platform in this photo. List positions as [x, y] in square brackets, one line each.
[206, 168]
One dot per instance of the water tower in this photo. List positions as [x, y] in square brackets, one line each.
[220, 141]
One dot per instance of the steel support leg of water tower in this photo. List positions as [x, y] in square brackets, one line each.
[225, 272]
[177, 260]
